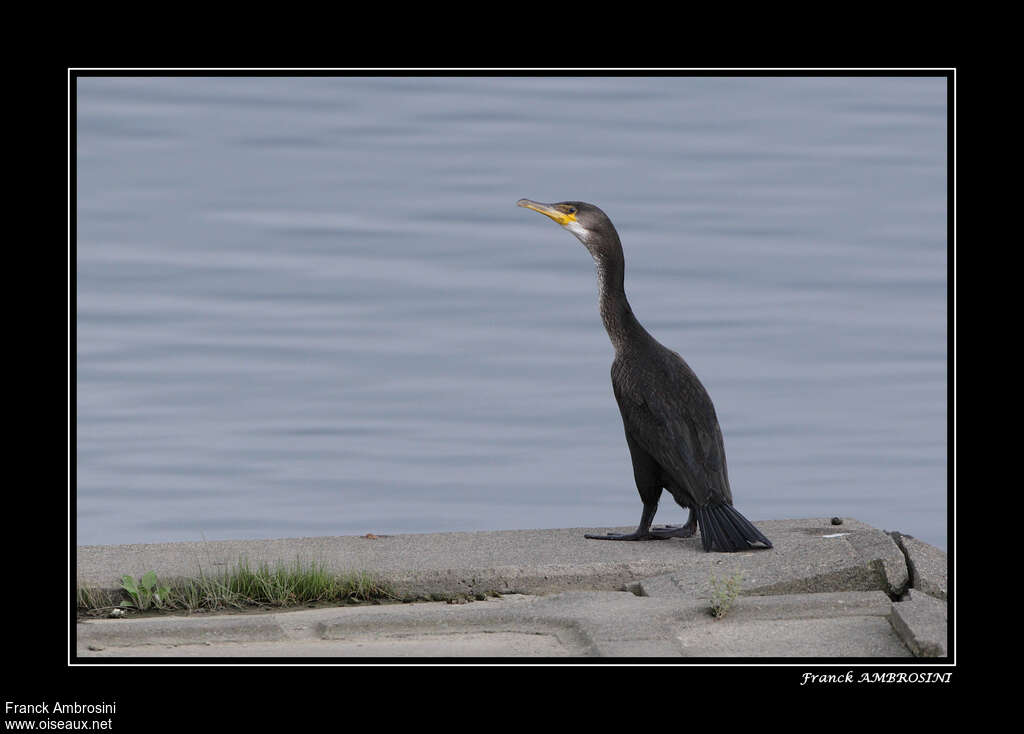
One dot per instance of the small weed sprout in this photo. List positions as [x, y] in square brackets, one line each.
[724, 593]
[145, 592]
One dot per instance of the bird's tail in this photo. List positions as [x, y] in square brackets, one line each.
[723, 528]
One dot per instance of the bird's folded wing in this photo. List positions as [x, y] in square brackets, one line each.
[675, 423]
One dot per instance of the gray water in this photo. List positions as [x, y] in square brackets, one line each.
[310, 306]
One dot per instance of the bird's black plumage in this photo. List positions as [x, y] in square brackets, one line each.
[671, 428]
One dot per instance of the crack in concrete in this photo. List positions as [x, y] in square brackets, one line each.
[897, 538]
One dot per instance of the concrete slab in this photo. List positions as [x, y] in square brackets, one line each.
[458, 645]
[928, 565]
[838, 624]
[921, 622]
[503, 627]
[809, 555]
[577, 624]
[832, 638]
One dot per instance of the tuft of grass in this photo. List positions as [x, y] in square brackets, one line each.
[296, 584]
[241, 587]
[90, 598]
[724, 593]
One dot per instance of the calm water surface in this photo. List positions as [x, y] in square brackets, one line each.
[310, 306]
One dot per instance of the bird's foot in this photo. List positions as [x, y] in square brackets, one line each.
[635, 535]
[674, 531]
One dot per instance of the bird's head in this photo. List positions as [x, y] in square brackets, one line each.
[590, 225]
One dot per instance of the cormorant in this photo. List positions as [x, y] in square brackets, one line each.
[671, 428]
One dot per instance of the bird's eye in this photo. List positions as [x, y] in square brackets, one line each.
[571, 210]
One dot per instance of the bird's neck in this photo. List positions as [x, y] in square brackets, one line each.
[618, 318]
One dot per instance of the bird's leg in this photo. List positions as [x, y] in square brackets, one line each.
[643, 531]
[677, 531]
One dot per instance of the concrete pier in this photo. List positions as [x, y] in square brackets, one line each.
[824, 590]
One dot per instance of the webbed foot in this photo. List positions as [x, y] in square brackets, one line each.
[635, 535]
[674, 531]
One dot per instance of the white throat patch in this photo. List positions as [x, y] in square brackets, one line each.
[577, 229]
